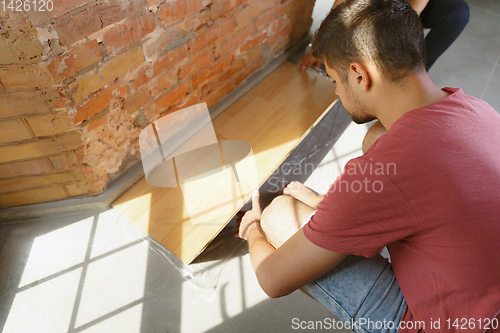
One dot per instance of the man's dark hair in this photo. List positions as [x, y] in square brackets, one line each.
[387, 33]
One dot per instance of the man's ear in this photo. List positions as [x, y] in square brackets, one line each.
[362, 75]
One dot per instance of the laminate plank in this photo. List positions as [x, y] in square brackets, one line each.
[273, 118]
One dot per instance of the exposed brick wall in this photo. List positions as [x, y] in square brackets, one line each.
[78, 84]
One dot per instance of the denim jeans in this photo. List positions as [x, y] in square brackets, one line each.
[363, 293]
[446, 19]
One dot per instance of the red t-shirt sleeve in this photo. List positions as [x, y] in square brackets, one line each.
[362, 212]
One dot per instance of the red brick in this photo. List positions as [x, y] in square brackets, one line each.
[217, 95]
[31, 74]
[40, 148]
[172, 11]
[272, 40]
[162, 82]
[227, 28]
[97, 121]
[211, 35]
[108, 72]
[13, 20]
[237, 65]
[121, 64]
[24, 183]
[194, 23]
[202, 59]
[286, 32]
[39, 195]
[99, 101]
[63, 6]
[204, 39]
[253, 42]
[249, 70]
[253, 53]
[152, 3]
[246, 15]
[29, 102]
[126, 33]
[230, 43]
[185, 71]
[265, 19]
[218, 67]
[277, 26]
[57, 99]
[137, 101]
[223, 8]
[75, 60]
[142, 75]
[50, 124]
[76, 27]
[174, 35]
[65, 161]
[171, 99]
[24, 168]
[18, 45]
[78, 189]
[193, 98]
[14, 130]
[252, 11]
[171, 59]
[196, 5]
[281, 10]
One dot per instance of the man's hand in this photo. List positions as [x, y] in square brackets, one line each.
[252, 216]
[303, 193]
[308, 61]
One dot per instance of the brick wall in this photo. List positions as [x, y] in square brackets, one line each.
[78, 84]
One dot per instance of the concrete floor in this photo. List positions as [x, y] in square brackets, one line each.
[95, 272]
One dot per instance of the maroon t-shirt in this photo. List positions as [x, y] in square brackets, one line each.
[429, 190]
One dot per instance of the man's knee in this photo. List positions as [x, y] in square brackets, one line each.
[281, 219]
[274, 215]
[375, 132]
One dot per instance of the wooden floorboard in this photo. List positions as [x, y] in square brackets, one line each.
[273, 118]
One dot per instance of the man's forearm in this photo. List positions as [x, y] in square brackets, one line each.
[336, 2]
[419, 5]
[258, 246]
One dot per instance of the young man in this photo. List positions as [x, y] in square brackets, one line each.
[428, 189]
[445, 18]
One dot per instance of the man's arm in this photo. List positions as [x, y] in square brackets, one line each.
[291, 266]
[419, 5]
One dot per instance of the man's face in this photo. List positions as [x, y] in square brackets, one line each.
[352, 103]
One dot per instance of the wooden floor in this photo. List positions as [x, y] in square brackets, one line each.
[273, 118]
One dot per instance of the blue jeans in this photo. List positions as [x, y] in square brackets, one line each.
[446, 19]
[362, 293]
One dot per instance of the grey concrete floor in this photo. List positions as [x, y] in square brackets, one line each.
[473, 61]
[96, 272]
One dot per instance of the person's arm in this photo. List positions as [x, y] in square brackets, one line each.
[308, 60]
[419, 5]
[293, 265]
[336, 3]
